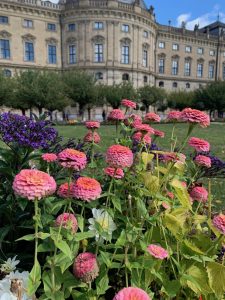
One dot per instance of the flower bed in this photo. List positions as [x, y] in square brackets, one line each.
[135, 222]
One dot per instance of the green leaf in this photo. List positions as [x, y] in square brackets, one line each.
[43, 236]
[174, 225]
[191, 246]
[63, 261]
[200, 277]
[34, 279]
[83, 235]
[80, 221]
[182, 194]
[171, 288]
[105, 258]
[121, 240]
[116, 202]
[216, 273]
[146, 158]
[102, 285]
[28, 237]
[64, 247]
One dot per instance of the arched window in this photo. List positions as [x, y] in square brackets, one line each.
[7, 73]
[161, 84]
[98, 75]
[125, 77]
[145, 79]
[174, 84]
[188, 85]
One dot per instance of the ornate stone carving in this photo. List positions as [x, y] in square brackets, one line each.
[51, 41]
[28, 37]
[71, 40]
[98, 39]
[5, 34]
[125, 41]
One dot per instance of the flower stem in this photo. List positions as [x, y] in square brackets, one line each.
[36, 236]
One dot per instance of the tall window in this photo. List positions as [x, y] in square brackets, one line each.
[98, 25]
[145, 58]
[51, 27]
[145, 34]
[29, 51]
[161, 45]
[125, 77]
[98, 52]
[27, 23]
[212, 52]
[175, 47]
[99, 76]
[187, 68]
[199, 70]
[188, 85]
[188, 49]
[72, 54]
[174, 67]
[161, 65]
[71, 27]
[7, 73]
[4, 49]
[4, 20]
[200, 51]
[125, 55]
[125, 28]
[51, 54]
[211, 71]
[175, 85]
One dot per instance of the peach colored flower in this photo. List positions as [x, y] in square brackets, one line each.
[152, 117]
[73, 159]
[139, 137]
[199, 144]
[86, 189]
[195, 116]
[116, 114]
[157, 251]
[92, 137]
[131, 293]
[133, 120]
[144, 128]
[85, 267]
[92, 124]
[128, 103]
[64, 191]
[68, 221]
[159, 133]
[170, 195]
[118, 156]
[175, 157]
[199, 194]
[49, 157]
[165, 205]
[203, 161]
[173, 115]
[33, 184]
[219, 223]
[113, 172]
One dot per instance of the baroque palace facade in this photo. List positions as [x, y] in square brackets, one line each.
[116, 40]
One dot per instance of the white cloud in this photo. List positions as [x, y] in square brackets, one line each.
[202, 20]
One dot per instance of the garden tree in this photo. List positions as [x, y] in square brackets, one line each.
[211, 97]
[116, 92]
[180, 99]
[151, 95]
[80, 88]
[6, 88]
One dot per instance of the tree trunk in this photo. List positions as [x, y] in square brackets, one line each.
[23, 111]
[40, 111]
[89, 113]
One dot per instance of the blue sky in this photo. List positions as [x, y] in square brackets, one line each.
[190, 11]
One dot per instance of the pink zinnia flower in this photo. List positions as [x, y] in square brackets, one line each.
[64, 191]
[199, 194]
[92, 124]
[203, 161]
[92, 137]
[73, 159]
[175, 157]
[199, 144]
[173, 115]
[195, 116]
[133, 120]
[140, 137]
[49, 157]
[159, 133]
[128, 103]
[116, 114]
[86, 189]
[118, 156]
[144, 128]
[170, 195]
[33, 184]
[152, 117]
[113, 172]
[219, 223]
[157, 251]
[131, 293]
[68, 221]
[165, 205]
[85, 267]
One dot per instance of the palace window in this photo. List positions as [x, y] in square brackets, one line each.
[145, 34]
[4, 20]
[125, 28]
[72, 54]
[29, 51]
[28, 23]
[199, 70]
[7, 73]
[52, 54]
[188, 49]
[161, 65]
[211, 71]
[145, 79]
[174, 67]
[161, 45]
[200, 51]
[187, 68]
[99, 76]
[145, 58]
[51, 27]
[98, 53]
[98, 25]
[188, 85]
[161, 84]
[4, 49]
[125, 77]
[125, 55]
[175, 47]
[71, 27]
[212, 52]
[175, 85]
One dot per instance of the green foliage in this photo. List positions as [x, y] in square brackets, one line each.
[151, 95]
[180, 99]
[6, 87]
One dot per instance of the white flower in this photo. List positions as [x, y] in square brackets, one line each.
[6, 287]
[9, 265]
[101, 224]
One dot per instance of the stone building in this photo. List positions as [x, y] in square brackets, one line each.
[116, 40]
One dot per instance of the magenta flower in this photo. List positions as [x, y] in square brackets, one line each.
[49, 157]
[118, 156]
[133, 120]
[92, 124]
[199, 194]
[64, 191]
[144, 128]
[195, 116]
[113, 172]
[116, 115]
[159, 133]
[199, 144]
[157, 251]
[128, 103]
[131, 293]
[92, 137]
[86, 189]
[173, 115]
[152, 117]
[68, 221]
[203, 161]
[140, 137]
[219, 223]
[86, 267]
[72, 159]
